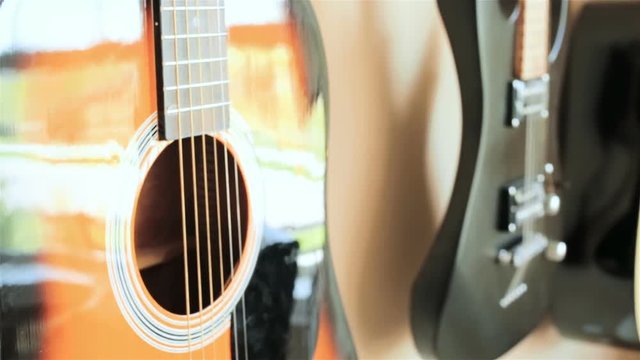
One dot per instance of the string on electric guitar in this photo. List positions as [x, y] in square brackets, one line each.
[525, 58]
[532, 62]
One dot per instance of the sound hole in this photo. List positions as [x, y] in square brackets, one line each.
[158, 227]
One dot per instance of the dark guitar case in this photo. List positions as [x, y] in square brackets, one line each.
[599, 123]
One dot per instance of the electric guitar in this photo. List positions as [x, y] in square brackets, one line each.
[485, 282]
[162, 175]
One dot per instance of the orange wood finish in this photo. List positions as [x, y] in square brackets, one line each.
[267, 37]
[101, 95]
[532, 39]
[326, 348]
[90, 97]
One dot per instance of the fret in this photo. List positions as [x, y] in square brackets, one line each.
[207, 75]
[191, 8]
[192, 122]
[193, 44]
[193, 36]
[194, 61]
[200, 73]
[196, 85]
[200, 47]
[197, 96]
[199, 107]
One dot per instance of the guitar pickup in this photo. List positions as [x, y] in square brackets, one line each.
[530, 99]
[520, 204]
[520, 251]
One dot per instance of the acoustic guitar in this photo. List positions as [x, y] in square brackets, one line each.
[485, 283]
[162, 175]
[636, 282]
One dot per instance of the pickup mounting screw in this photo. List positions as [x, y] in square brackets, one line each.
[549, 168]
[556, 251]
[552, 203]
[504, 257]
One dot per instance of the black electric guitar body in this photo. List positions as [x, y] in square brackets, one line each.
[485, 283]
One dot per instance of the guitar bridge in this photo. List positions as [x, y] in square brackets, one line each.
[530, 99]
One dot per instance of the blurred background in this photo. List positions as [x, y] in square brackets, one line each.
[393, 149]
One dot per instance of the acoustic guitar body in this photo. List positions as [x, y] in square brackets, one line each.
[121, 239]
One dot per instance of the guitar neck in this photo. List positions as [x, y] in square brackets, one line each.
[532, 39]
[191, 67]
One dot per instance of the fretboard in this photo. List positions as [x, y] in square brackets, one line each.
[191, 57]
[532, 38]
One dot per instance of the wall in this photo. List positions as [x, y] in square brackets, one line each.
[394, 108]
[394, 144]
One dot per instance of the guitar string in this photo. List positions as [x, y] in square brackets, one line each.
[239, 224]
[531, 126]
[206, 187]
[240, 248]
[194, 181]
[220, 28]
[539, 121]
[534, 161]
[240, 236]
[240, 243]
[217, 180]
[528, 225]
[182, 187]
[215, 164]
[205, 175]
[529, 133]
